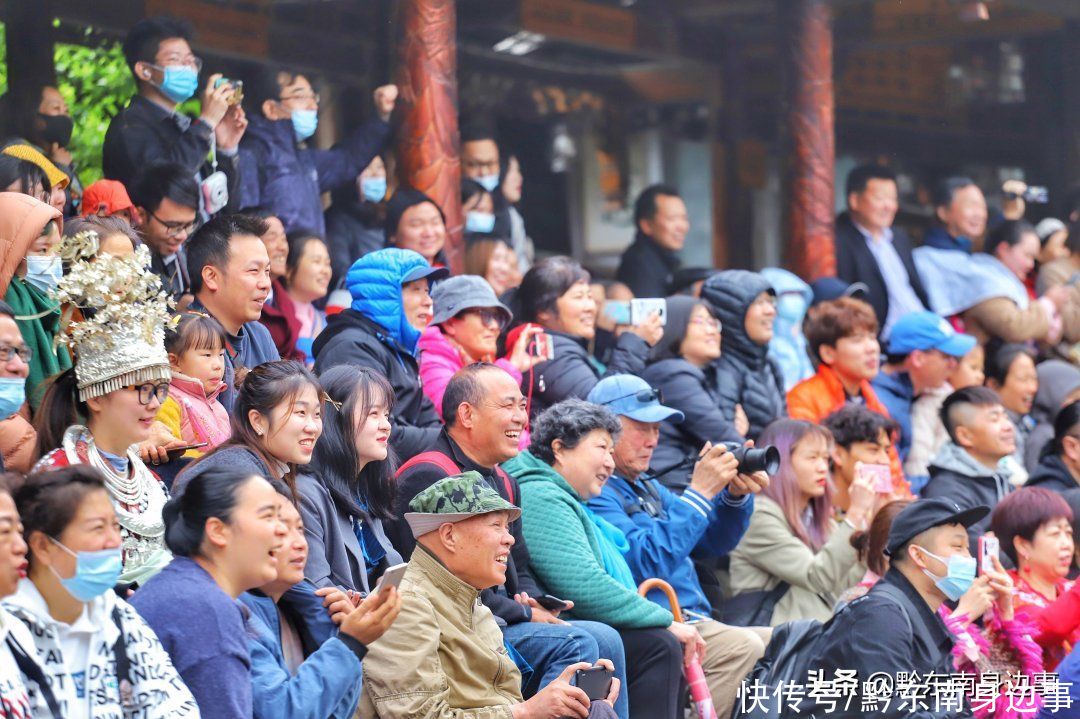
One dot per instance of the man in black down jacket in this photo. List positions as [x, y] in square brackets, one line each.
[661, 222]
[1059, 467]
[968, 468]
[895, 627]
[870, 250]
[746, 377]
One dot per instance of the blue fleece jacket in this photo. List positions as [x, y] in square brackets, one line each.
[327, 684]
[897, 394]
[374, 281]
[660, 546]
[202, 629]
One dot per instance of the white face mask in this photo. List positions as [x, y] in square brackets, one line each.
[43, 271]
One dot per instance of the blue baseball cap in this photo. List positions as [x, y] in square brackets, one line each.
[926, 331]
[631, 396]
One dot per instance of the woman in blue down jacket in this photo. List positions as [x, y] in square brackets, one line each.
[391, 305]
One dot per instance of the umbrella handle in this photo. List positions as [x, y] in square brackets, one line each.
[673, 599]
[695, 677]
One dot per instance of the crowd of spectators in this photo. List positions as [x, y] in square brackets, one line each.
[266, 460]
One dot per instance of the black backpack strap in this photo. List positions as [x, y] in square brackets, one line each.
[896, 597]
[30, 669]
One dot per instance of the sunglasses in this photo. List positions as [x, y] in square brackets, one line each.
[644, 396]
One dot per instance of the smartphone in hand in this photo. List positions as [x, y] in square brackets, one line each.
[880, 474]
[392, 576]
[989, 547]
[595, 682]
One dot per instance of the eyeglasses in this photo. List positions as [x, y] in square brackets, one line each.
[9, 351]
[149, 391]
[302, 97]
[489, 316]
[193, 61]
[707, 322]
[644, 396]
[765, 300]
[172, 229]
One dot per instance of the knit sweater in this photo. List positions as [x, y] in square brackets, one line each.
[564, 547]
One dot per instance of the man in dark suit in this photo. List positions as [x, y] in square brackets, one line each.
[870, 251]
[661, 221]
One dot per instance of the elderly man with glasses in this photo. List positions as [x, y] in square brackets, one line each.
[17, 436]
[663, 528]
[284, 173]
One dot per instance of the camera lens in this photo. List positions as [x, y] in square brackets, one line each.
[755, 459]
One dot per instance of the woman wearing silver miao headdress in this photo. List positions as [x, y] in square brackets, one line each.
[97, 412]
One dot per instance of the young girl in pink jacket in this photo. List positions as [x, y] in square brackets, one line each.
[192, 412]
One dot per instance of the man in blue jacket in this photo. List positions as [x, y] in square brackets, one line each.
[284, 172]
[923, 351]
[663, 528]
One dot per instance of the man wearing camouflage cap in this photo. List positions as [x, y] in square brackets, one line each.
[444, 654]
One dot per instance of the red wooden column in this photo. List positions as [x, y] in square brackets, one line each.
[812, 145]
[428, 142]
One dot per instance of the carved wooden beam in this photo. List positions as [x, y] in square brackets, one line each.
[428, 143]
[811, 123]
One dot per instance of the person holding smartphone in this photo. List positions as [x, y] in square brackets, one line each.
[444, 655]
[302, 666]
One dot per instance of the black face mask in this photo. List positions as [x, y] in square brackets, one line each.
[57, 129]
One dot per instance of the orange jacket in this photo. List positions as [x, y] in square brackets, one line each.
[817, 397]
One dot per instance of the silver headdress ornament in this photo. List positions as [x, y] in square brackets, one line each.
[120, 341]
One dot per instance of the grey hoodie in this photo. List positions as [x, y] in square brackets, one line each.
[956, 475]
[1057, 380]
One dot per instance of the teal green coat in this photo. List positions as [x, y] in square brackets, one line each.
[564, 551]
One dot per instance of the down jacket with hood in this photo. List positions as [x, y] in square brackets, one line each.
[690, 389]
[1057, 381]
[956, 475]
[788, 347]
[374, 332]
[745, 373]
[21, 220]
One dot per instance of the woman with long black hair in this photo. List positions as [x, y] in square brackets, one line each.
[348, 489]
[276, 422]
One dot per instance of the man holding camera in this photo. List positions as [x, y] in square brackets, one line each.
[663, 528]
[152, 129]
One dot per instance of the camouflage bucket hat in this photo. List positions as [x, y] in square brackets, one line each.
[453, 499]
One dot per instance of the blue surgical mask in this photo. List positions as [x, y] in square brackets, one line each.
[179, 82]
[479, 222]
[373, 189]
[304, 123]
[12, 395]
[43, 271]
[95, 572]
[960, 573]
[488, 182]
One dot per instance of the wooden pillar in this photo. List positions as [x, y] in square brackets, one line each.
[428, 142]
[1071, 108]
[28, 33]
[812, 144]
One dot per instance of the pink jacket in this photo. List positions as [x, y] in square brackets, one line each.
[202, 417]
[439, 360]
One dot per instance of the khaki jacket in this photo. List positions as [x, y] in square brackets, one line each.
[770, 552]
[443, 657]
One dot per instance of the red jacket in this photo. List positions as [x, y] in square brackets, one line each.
[817, 397]
[1057, 622]
[280, 318]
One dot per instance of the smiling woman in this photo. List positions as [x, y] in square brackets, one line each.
[225, 531]
[275, 423]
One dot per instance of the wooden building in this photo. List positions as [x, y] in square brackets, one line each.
[755, 109]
